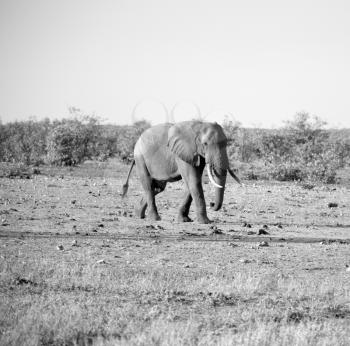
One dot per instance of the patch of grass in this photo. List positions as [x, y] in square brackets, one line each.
[75, 301]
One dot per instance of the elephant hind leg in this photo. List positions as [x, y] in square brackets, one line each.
[140, 211]
[145, 180]
[157, 187]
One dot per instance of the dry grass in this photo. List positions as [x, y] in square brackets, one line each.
[64, 297]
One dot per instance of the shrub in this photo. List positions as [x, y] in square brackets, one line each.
[73, 141]
[64, 147]
[303, 151]
[24, 141]
[287, 171]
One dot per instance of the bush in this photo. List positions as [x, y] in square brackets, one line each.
[72, 141]
[303, 151]
[287, 171]
[24, 142]
[64, 145]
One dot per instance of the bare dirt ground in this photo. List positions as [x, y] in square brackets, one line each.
[78, 268]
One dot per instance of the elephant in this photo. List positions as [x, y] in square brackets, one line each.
[170, 152]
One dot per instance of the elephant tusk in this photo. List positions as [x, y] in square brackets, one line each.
[212, 179]
[234, 176]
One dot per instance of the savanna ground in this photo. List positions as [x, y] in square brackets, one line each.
[78, 269]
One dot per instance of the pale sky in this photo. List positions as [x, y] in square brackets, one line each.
[259, 61]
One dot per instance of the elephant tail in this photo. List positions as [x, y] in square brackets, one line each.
[126, 185]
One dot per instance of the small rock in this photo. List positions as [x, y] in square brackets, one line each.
[263, 244]
[216, 231]
[75, 243]
[332, 205]
[102, 261]
[244, 260]
[262, 231]
[265, 226]
[73, 201]
[246, 224]
[101, 225]
[155, 242]
[347, 267]
[308, 186]
[250, 232]
[232, 244]
[60, 247]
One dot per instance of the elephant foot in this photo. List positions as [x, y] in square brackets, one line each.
[183, 218]
[203, 219]
[154, 217]
[139, 213]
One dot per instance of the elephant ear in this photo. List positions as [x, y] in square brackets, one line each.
[182, 141]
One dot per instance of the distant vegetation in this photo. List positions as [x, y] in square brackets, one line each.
[67, 142]
[302, 150]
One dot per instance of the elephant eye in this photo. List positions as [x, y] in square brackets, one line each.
[205, 143]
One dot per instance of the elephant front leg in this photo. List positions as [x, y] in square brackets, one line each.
[185, 208]
[199, 200]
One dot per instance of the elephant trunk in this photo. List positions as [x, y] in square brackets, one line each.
[219, 192]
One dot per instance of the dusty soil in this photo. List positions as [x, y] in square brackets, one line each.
[85, 201]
